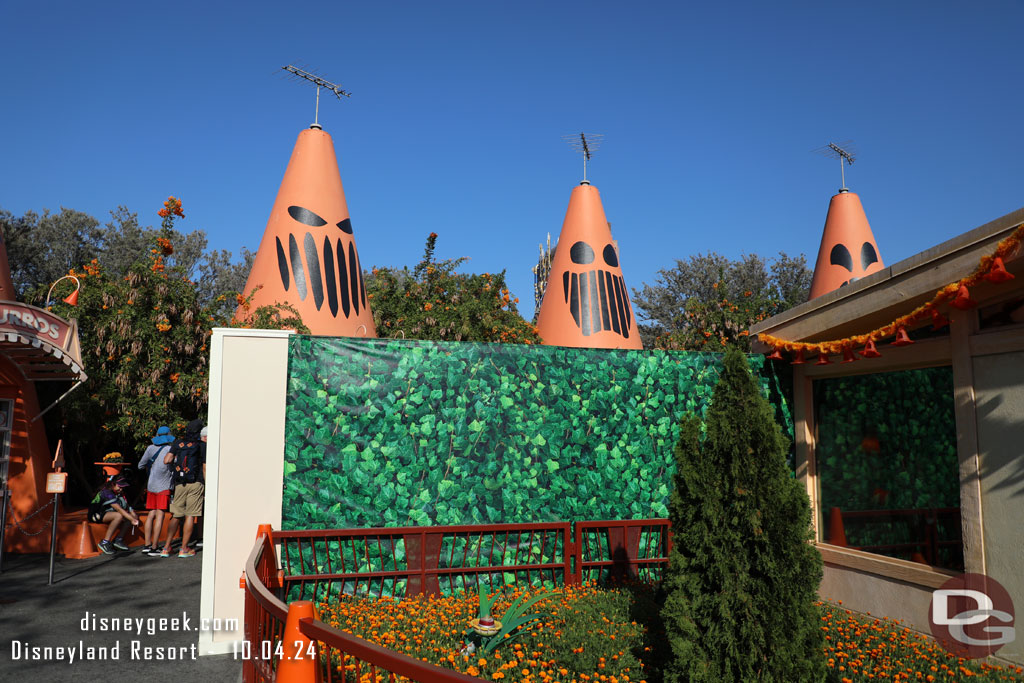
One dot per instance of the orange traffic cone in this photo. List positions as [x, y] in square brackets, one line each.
[587, 303]
[84, 544]
[308, 256]
[848, 250]
[836, 532]
[300, 659]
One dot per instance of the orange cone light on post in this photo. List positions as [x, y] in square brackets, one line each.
[72, 298]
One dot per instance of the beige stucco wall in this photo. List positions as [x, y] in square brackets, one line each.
[878, 595]
[245, 464]
[999, 408]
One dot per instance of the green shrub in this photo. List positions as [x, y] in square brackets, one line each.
[740, 588]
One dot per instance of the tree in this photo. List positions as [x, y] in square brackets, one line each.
[709, 301]
[740, 590]
[435, 302]
[41, 249]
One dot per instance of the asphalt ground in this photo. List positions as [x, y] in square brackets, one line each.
[124, 585]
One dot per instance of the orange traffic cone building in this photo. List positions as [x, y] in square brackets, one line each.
[848, 249]
[586, 303]
[308, 256]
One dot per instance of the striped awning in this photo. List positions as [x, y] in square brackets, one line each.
[39, 360]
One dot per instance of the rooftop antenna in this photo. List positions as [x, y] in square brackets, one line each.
[844, 152]
[581, 144]
[320, 83]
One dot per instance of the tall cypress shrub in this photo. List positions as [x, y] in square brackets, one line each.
[740, 590]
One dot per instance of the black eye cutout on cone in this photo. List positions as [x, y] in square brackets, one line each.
[342, 285]
[597, 298]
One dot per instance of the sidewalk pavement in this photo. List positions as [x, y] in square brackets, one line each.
[127, 584]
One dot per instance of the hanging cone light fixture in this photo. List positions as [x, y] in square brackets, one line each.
[586, 303]
[775, 355]
[870, 351]
[308, 255]
[823, 359]
[902, 338]
[849, 355]
[963, 300]
[938, 320]
[997, 273]
[799, 358]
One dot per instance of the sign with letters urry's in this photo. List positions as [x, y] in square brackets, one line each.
[33, 322]
[43, 345]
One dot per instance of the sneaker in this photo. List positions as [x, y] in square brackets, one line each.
[199, 544]
[187, 553]
[166, 552]
[106, 547]
[153, 552]
[146, 549]
[119, 544]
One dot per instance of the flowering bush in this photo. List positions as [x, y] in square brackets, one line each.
[435, 302]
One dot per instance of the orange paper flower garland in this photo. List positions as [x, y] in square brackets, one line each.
[956, 294]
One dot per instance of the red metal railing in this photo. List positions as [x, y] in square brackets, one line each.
[319, 565]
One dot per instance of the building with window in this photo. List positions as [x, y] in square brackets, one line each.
[914, 459]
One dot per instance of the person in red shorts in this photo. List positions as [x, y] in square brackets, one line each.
[159, 461]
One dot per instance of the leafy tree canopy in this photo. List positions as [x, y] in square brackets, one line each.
[433, 301]
[708, 301]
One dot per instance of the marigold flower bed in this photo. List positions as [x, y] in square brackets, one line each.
[598, 635]
[585, 635]
[863, 648]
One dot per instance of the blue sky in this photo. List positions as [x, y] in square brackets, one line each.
[710, 114]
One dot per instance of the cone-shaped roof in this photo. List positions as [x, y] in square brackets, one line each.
[308, 255]
[6, 284]
[586, 303]
[848, 249]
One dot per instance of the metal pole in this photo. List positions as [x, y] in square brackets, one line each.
[53, 536]
[3, 522]
[316, 114]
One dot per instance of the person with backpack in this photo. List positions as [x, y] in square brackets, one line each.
[110, 506]
[189, 463]
[158, 460]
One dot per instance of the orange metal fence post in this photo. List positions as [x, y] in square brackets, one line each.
[300, 656]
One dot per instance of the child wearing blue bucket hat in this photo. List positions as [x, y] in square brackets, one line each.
[158, 459]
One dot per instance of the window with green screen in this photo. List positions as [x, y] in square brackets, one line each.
[887, 464]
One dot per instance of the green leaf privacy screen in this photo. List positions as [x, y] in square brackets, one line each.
[384, 432]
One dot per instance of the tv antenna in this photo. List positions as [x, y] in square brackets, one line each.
[581, 144]
[319, 83]
[844, 152]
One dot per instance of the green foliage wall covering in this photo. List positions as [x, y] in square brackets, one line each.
[385, 432]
